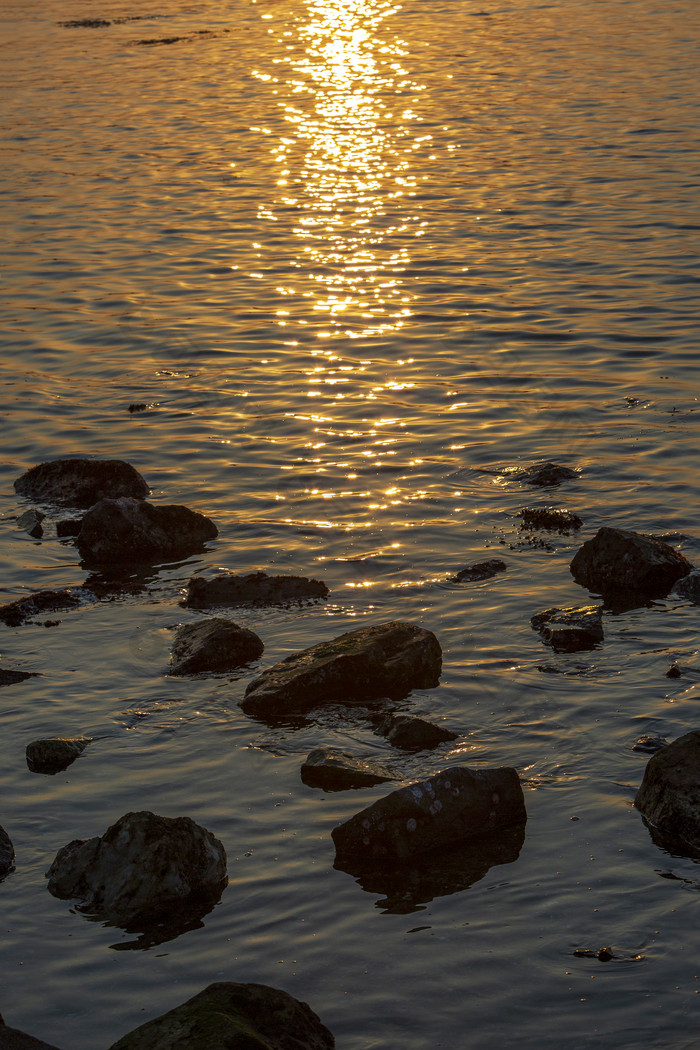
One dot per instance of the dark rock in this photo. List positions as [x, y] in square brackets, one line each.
[603, 954]
[448, 808]
[68, 527]
[137, 406]
[650, 744]
[669, 795]
[414, 734]
[131, 530]
[545, 474]
[81, 482]
[23, 609]
[571, 630]
[85, 23]
[619, 560]
[389, 659]
[550, 518]
[689, 587]
[12, 677]
[333, 770]
[141, 869]
[255, 587]
[13, 1039]
[7, 854]
[30, 522]
[54, 754]
[674, 671]
[480, 571]
[235, 1017]
[212, 646]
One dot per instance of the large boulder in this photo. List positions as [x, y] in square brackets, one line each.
[143, 868]
[448, 808]
[617, 560]
[254, 587]
[81, 482]
[133, 531]
[333, 770]
[234, 1017]
[54, 754]
[389, 659]
[570, 630]
[213, 645]
[669, 795]
[7, 854]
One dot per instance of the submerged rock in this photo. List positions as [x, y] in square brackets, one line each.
[414, 734]
[8, 677]
[235, 1017]
[334, 770]
[551, 518]
[571, 630]
[81, 482]
[389, 659]
[213, 645]
[669, 795]
[7, 854]
[619, 560]
[23, 609]
[650, 744]
[482, 570]
[450, 807]
[30, 522]
[141, 869]
[14, 1039]
[54, 754]
[545, 474]
[131, 530]
[254, 587]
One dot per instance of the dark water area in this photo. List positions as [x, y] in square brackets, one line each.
[357, 263]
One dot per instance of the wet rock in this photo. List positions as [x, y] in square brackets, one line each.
[13, 1039]
[551, 518]
[235, 1016]
[334, 770]
[85, 23]
[81, 482]
[255, 587]
[618, 560]
[7, 854]
[450, 807]
[23, 609]
[650, 744]
[141, 869]
[389, 659]
[30, 522]
[669, 795]
[131, 530]
[689, 587]
[571, 630]
[480, 571]
[8, 677]
[213, 645]
[54, 754]
[674, 671]
[414, 734]
[545, 474]
[68, 527]
[603, 954]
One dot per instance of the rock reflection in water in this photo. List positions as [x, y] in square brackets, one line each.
[407, 887]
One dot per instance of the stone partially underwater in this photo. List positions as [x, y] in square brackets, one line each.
[130, 531]
[389, 659]
[669, 796]
[618, 561]
[571, 630]
[256, 588]
[81, 482]
[213, 646]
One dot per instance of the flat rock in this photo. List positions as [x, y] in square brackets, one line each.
[254, 587]
[133, 531]
[234, 1017]
[482, 570]
[23, 609]
[689, 587]
[54, 754]
[414, 734]
[448, 808]
[334, 770]
[571, 630]
[545, 474]
[389, 659]
[81, 482]
[7, 854]
[669, 795]
[617, 560]
[213, 645]
[553, 519]
[8, 677]
[143, 868]
[13, 1039]
[30, 522]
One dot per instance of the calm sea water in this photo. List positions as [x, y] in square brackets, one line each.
[359, 260]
